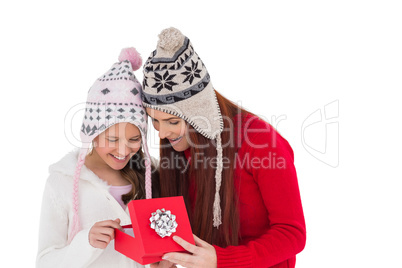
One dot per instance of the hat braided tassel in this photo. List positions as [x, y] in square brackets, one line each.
[218, 181]
[76, 220]
[148, 171]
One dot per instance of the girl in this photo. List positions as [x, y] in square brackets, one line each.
[235, 171]
[87, 191]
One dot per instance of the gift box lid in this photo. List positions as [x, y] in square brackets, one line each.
[147, 245]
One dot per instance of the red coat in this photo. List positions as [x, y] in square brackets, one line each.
[272, 227]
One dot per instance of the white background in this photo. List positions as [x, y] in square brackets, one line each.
[283, 60]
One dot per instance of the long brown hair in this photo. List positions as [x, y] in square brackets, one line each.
[175, 176]
[134, 172]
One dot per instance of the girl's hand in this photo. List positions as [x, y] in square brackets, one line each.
[102, 233]
[203, 254]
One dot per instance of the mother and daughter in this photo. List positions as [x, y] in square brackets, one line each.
[244, 209]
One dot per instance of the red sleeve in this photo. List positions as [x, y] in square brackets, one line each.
[285, 235]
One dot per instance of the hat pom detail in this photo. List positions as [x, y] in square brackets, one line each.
[132, 56]
[170, 38]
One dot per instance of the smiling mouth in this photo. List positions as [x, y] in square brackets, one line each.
[174, 141]
[119, 158]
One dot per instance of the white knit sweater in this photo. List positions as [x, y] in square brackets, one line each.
[95, 204]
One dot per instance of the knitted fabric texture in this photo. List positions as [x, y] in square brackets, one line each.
[114, 98]
[177, 82]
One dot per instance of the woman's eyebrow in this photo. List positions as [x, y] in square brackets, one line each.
[166, 119]
[171, 118]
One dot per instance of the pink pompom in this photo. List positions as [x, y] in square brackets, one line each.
[131, 55]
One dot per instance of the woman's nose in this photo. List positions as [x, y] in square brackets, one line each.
[163, 132]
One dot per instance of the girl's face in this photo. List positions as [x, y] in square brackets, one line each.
[118, 144]
[170, 127]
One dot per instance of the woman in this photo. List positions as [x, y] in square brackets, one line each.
[235, 172]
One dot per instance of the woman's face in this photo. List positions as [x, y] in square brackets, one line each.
[170, 127]
[118, 144]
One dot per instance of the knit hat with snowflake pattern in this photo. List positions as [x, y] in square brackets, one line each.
[114, 98]
[177, 82]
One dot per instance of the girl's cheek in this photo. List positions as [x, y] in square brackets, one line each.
[135, 146]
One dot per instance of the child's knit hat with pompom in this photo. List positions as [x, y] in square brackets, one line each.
[114, 98]
[177, 82]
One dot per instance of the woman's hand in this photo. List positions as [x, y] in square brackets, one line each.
[202, 254]
[102, 233]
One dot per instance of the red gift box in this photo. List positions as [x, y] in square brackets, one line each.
[145, 246]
